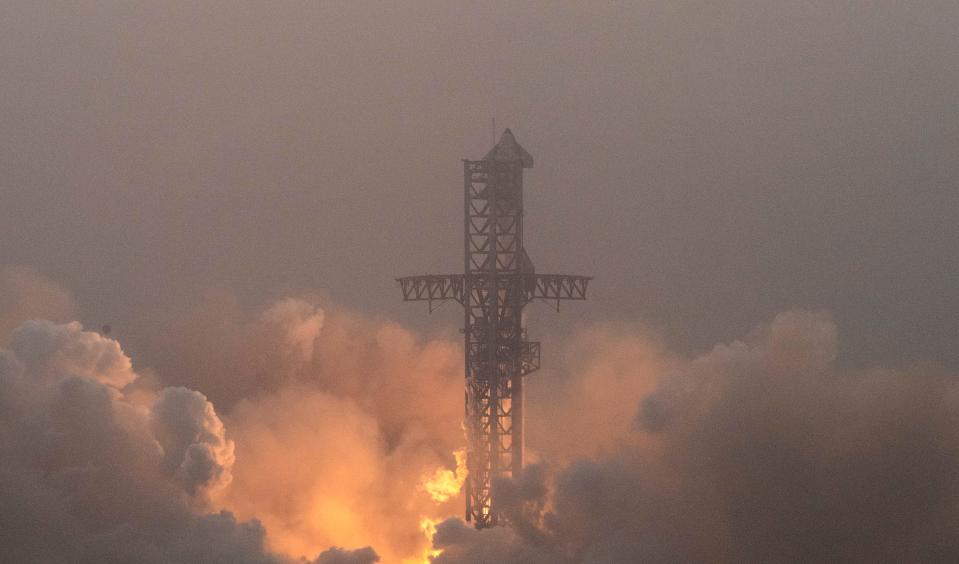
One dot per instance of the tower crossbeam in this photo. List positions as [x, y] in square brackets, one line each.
[499, 280]
[443, 287]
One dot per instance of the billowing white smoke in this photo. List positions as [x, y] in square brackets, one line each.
[194, 446]
[760, 450]
[51, 352]
[339, 420]
[96, 470]
[332, 421]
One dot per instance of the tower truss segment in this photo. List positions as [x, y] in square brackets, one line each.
[498, 281]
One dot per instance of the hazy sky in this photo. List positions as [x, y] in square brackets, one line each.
[711, 163]
[765, 191]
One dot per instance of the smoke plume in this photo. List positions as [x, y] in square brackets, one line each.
[331, 429]
[759, 450]
[287, 434]
[336, 555]
[339, 421]
[96, 470]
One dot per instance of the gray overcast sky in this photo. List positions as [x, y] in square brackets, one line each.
[711, 163]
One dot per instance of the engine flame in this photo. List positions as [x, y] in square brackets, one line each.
[442, 485]
[428, 526]
[446, 483]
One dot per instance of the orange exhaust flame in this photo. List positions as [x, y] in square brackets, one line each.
[442, 485]
[428, 526]
[445, 483]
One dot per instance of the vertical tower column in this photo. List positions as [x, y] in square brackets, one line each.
[494, 299]
[497, 283]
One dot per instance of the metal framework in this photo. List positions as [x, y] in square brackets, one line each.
[497, 283]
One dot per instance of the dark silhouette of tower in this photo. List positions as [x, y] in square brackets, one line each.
[498, 281]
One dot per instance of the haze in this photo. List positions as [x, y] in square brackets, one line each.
[711, 163]
[765, 191]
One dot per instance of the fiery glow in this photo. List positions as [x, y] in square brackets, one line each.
[445, 483]
[428, 526]
[442, 485]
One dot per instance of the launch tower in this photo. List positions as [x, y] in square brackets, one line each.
[497, 283]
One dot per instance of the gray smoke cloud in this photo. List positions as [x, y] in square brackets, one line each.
[712, 163]
[331, 423]
[759, 450]
[337, 555]
[230, 354]
[96, 470]
[50, 351]
[461, 543]
[193, 440]
[762, 449]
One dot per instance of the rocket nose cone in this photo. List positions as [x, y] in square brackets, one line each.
[509, 150]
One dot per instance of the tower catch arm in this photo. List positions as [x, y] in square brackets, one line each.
[498, 281]
[556, 287]
[432, 288]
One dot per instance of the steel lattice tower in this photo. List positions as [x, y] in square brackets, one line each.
[498, 281]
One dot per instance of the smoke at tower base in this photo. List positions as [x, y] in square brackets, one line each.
[299, 430]
[325, 423]
[759, 450]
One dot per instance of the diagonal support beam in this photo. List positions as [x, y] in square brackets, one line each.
[432, 288]
[499, 280]
[555, 287]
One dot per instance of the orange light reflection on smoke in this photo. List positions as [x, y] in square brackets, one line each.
[445, 483]
[428, 526]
